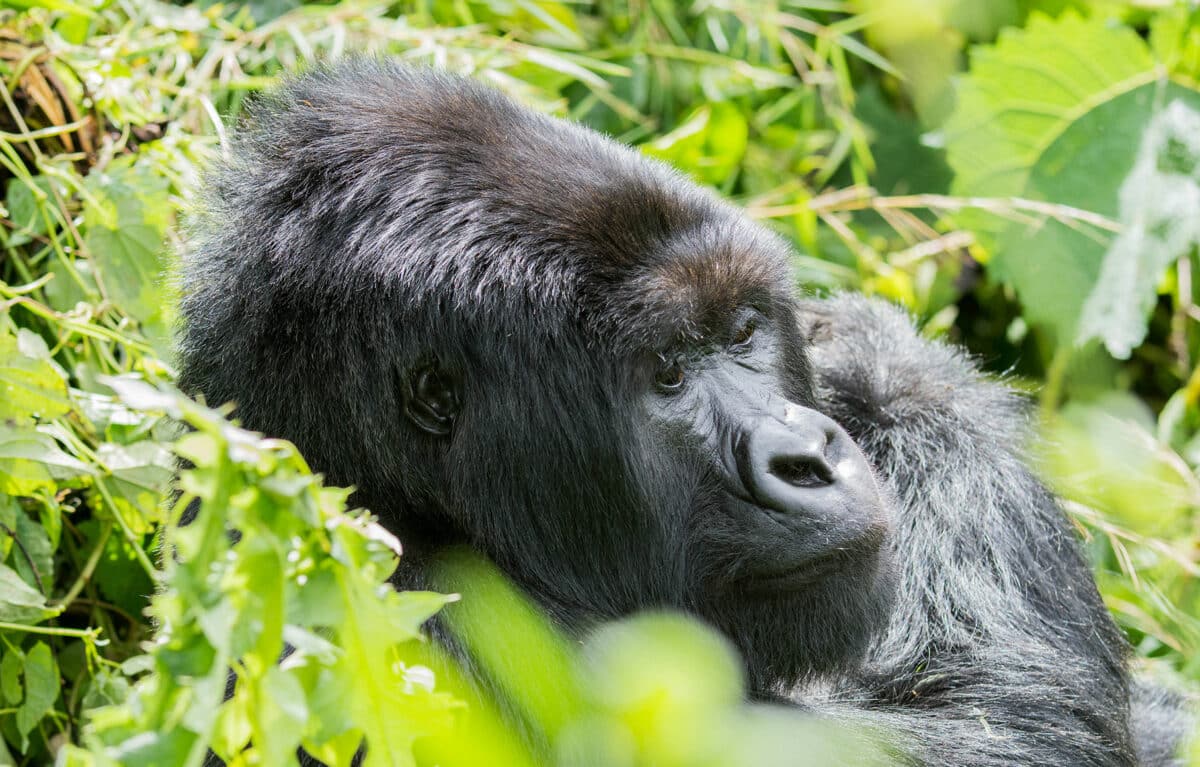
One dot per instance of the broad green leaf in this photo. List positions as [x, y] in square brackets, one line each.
[23, 208]
[1057, 268]
[119, 576]
[30, 460]
[106, 688]
[12, 689]
[141, 472]
[20, 602]
[130, 266]
[71, 286]
[125, 225]
[904, 165]
[31, 387]
[41, 688]
[1027, 88]
[1059, 113]
[1159, 209]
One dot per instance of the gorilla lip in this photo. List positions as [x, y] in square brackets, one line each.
[797, 577]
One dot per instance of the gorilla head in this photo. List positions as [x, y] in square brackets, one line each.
[509, 332]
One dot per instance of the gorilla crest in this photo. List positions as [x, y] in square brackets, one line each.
[513, 334]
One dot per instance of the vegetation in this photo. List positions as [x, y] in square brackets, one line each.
[1023, 175]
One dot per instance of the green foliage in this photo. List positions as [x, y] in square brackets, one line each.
[302, 572]
[1076, 113]
[1022, 175]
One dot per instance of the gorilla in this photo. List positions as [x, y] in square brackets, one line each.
[510, 333]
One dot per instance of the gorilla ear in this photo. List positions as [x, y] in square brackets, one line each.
[431, 400]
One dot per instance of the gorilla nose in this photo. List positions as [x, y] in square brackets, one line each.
[783, 460]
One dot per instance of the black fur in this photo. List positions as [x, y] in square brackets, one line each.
[375, 221]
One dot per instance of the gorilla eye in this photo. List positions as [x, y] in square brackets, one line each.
[670, 377]
[741, 339]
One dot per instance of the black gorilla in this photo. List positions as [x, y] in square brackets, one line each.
[511, 333]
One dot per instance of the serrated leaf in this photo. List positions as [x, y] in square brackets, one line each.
[1160, 213]
[1057, 113]
[1024, 90]
[30, 386]
[1055, 268]
[378, 699]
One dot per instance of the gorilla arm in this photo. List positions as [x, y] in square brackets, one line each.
[999, 647]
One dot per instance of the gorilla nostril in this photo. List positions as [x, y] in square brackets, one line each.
[801, 471]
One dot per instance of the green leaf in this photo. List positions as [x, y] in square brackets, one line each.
[19, 601]
[31, 387]
[1024, 90]
[709, 144]
[36, 545]
[125, 225]
[129, 263]
[119, 575]
[1060, 113]
[1056, 268]
[107, 687]
[1160, 213]
[12, 691]
[30, 460]
[904, 165]
[41, 688]
[23, 208]
[141, 472]
[282, 712]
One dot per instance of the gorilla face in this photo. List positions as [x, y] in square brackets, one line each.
[540, 345]
[790, 477]
[790, 537]
[690, 468]
[787, 530]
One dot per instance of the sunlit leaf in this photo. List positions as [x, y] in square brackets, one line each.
[30, 385]
[30, 460]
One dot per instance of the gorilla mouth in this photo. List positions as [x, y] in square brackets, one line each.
[796, 577]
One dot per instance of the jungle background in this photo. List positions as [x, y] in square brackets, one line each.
[1022, 175]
